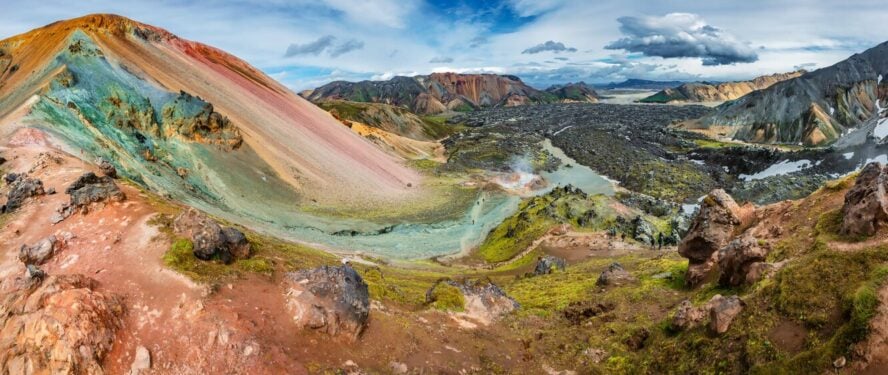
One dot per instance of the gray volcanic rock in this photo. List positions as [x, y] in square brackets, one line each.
[209, 238]
[21, 189]
[334, 300]
[90, 188]
[711, 230]
[484, 301]
[813, 109]
[866, 204]
[614, 275]
[546, 264]
[39, 252]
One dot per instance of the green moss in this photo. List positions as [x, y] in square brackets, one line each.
[180, 258]
[447, 297]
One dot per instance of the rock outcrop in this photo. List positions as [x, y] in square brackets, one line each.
[209, 238]
[741, 261]
[107, 168]
[547, 264]
[88, 189]
[21, 188]
[866, 204]
[334, 300]
[56, 325]
[720, 311]
[710, 230]
[39, 252]
[614, 275]
[483, 300]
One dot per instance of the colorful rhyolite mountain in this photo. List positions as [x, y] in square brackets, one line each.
[186, 119]
[816, 108]
[697, 92]
[441, 92]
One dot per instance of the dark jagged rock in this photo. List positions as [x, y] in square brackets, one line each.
[10, 177]
[334, 300]
[866, 204]
[39, 252]
[90, 188]
[546, 264]
[614, 275]
[710, 230]
[107, 168]
[210, 239]
[21, 189]
[740, 261]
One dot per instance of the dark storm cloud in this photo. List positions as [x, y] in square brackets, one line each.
[677, 35]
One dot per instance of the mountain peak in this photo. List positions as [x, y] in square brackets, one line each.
[100, 22]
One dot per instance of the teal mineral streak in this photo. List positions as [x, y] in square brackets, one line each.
[124, 115]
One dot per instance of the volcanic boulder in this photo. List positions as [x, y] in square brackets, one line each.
[332, 299]
[739, 261]
[614, 275]
[56, 325]
[483, 300]
[211, 239]
[547, 264]
[88, 189]
[39, 252]
[722, 311]
[107, 168]
[866, 205]
[21, 188]
[710, 230]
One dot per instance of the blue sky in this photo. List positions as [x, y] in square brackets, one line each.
[306, 43]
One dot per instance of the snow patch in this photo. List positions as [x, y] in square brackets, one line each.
[781, 168]
[848, 155]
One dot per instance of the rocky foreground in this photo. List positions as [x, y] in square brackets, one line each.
[101, 277]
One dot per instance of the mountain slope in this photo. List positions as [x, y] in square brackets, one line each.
[695, 92]
[437, 92]
[574, 92]
[813, 109]
[156, 105]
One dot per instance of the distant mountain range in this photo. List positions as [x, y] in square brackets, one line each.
[639, 84]
[443, 92]
[696, 92]
[813, 109]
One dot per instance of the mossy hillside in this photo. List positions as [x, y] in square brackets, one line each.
[446, 297]
[393, 119]
[563, 205]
